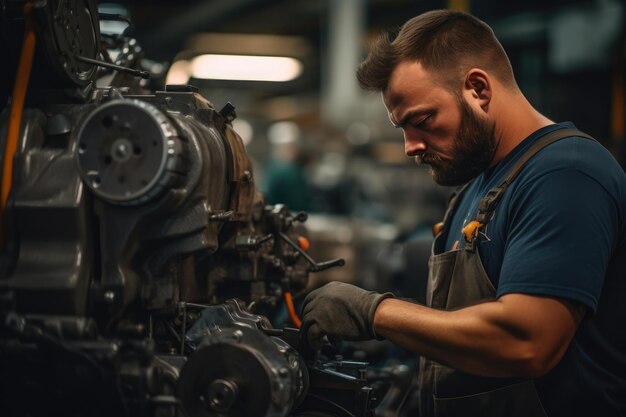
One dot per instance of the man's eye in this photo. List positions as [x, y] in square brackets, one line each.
[422, 122]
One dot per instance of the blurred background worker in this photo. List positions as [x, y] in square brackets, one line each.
[287, 182]
[524, 309]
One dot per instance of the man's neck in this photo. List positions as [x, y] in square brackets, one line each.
[517, 120]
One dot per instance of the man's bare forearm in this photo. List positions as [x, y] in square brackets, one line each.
[517, 335]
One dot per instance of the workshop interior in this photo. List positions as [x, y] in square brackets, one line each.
[177, 176]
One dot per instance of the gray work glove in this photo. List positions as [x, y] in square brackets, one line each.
[340, 311]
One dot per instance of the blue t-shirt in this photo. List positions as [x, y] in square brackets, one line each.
[559, 230]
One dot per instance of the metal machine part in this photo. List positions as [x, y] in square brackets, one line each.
[113, 250]
[130, 219]
[67, 29]
[255, 376]
[74, 32]
[129, 152]
[243, 367]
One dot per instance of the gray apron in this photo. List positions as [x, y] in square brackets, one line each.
[458, 279]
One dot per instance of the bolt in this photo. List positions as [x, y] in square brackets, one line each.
[237, 335]
[222, 395]
[122, 150]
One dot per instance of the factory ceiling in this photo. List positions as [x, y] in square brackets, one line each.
[165, 27]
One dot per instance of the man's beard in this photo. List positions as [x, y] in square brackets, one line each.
[472, 151]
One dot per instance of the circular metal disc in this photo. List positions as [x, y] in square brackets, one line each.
[226, 362]
[123, 151]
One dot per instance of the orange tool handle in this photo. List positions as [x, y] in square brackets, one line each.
[293, 316]
[15, 116]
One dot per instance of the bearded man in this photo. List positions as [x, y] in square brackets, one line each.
[527, 276]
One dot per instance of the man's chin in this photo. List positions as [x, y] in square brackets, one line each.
[440, 180]
[447, 178]
[442, 173]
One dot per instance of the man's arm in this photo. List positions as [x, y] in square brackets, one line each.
[516, 335]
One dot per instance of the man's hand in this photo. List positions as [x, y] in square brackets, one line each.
[340, 311]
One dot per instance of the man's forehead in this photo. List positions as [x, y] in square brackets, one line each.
[408, 79]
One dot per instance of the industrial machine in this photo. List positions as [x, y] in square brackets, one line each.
[139, 265]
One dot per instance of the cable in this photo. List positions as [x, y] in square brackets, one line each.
[291, 309]
[15, 117]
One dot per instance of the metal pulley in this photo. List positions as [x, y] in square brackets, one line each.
[128, 152]
[239, 371]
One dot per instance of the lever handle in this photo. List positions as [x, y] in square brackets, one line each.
[315, 266]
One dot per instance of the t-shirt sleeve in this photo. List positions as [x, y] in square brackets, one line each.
[560, 237]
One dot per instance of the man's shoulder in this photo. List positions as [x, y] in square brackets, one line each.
[577, 155]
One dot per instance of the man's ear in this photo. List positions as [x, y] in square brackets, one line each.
[478, 87]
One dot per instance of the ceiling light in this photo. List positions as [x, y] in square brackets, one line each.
[178, 73]
[245, 68]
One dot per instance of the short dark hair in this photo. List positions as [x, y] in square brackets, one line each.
[445, 41]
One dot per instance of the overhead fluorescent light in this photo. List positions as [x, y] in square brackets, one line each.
[178, 73]
[245, 68]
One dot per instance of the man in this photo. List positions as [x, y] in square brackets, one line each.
[528, 274]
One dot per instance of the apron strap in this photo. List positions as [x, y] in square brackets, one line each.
[441, 229]
[489, 202]
[453, 202]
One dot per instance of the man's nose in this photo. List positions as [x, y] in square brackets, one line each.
[413, 145]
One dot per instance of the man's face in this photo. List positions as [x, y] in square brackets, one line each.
[440, 128]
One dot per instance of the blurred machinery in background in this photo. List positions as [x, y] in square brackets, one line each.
[140, 267]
